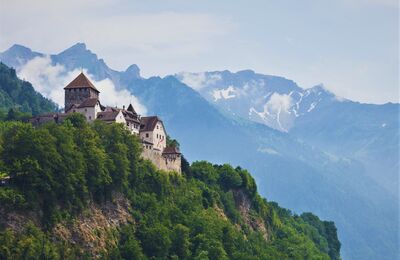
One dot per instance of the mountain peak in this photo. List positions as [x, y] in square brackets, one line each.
[79, 46]
[133, 70]
[247, 72]
[320, 88]
[17, 55]
[76, 49]
[18, 48]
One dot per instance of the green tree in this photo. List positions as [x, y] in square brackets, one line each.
[156, 240]
[180, 241]
[229, 178]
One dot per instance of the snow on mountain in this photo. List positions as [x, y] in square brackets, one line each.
[270, 100]
[328, 155]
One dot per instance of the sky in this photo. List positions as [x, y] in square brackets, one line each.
[349, 46]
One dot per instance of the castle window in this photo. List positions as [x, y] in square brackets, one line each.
[147, 135]
[90, 117]
[85, 109]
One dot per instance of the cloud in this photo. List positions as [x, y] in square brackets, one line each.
[386, 3]
[121, 32]
[278, 103]
[268, 151]
[50, 80]
[198, 80]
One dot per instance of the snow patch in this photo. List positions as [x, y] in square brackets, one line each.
[312, 106]
[227, 93]
[276, 104]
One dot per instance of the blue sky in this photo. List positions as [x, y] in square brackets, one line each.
[349, 46]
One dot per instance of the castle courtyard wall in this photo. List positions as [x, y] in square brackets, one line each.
[162, 162]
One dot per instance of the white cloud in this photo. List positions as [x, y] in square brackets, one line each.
[121, 33]
[109, 95]
[50, 80]
[268, 151]
[164, 37]
[278, 103]
[198, 80]
[387, 3]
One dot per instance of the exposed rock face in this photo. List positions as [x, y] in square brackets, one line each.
[92, 231]
[16, 221]
[243, 204]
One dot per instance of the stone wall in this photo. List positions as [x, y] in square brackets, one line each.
[162, 162]
[77, 96]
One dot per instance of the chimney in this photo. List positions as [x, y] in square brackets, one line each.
[123, 107]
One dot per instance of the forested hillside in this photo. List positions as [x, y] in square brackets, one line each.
[19, 95]
[77, 190]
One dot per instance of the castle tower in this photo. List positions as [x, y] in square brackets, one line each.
[78, 91]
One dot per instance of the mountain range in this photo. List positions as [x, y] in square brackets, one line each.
[308, 149]
[363, 132]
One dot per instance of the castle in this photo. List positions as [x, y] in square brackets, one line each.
[81, 96]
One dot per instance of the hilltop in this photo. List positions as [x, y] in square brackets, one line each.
[337, 159]
[79, 190]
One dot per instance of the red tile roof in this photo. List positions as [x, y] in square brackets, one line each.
[81, 82]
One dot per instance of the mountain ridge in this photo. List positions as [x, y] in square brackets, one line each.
[316, 178]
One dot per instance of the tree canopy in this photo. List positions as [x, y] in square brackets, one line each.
[207, 212]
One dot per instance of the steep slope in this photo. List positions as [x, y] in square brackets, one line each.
[297, 175]
[367, 135]
[362, 132]
[274, 101]
[20, 95]
[92, 196]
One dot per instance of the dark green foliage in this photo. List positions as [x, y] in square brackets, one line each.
[58, 169]
[205, 172]
[181, 241]
[328, 229]
[129, 245]
[33, 243]
[14, 114]
[20, 95]
[172, 142]
[228, 177]
[11, 199]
